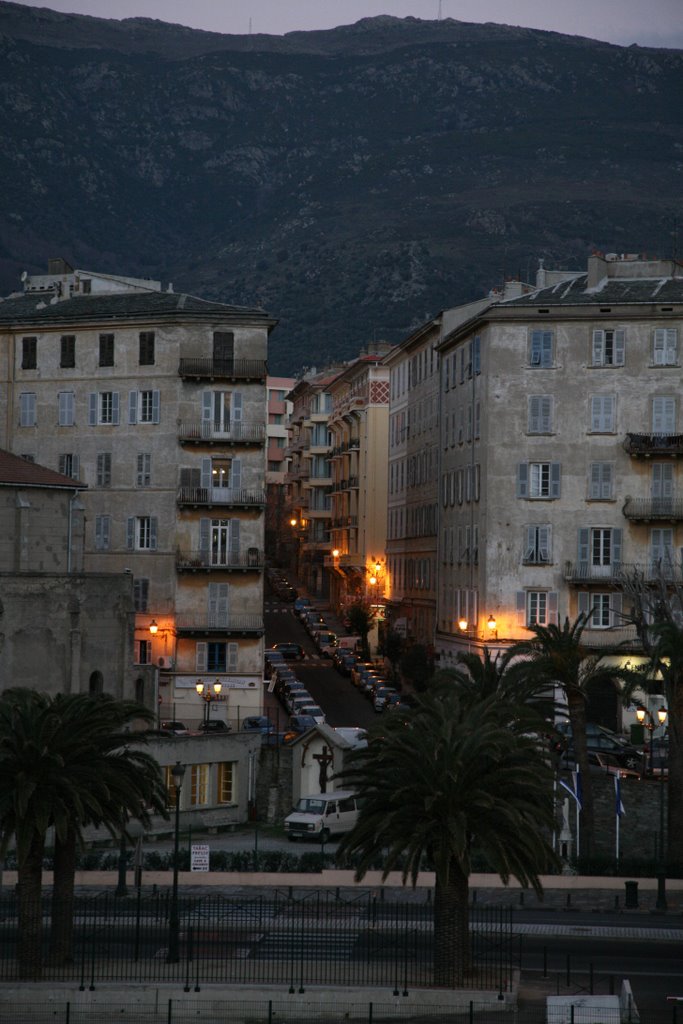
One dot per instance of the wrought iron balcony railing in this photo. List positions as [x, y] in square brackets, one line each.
[653, 508]
[206, 432]
[646, 445]
[207, 496]
[223, 369]
[224, 624]
[228, 561]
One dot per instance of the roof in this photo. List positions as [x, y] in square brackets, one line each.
[37, 308]
[610, 290]
[17, 471]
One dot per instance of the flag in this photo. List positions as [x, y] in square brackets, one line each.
[618, 806]
[575, 789]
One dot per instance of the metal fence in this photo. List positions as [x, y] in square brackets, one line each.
[295, 940]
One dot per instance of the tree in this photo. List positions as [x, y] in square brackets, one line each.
[556, 656]
[361, 618]
[417, 666]
[438, 782]
[64, 764]
[393, 645]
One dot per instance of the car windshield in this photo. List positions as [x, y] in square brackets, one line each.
[307, 805]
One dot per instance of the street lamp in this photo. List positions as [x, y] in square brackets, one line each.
[492, 627]
[177, 774]
[646, 718]
[207, 695]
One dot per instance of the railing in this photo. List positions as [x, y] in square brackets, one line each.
[653, 508]
[220, 623]
[657, 569]
[206, 560]
[286, 940]
[616, 636]
[653, 444]
[231, 369]
[219, 496]
[206, 430]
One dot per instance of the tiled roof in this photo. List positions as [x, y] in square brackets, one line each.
[617, 291]
[15, 470]
[35, 308]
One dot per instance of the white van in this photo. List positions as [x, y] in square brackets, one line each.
[322, 815]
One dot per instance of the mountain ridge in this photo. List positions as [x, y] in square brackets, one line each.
[350, 194]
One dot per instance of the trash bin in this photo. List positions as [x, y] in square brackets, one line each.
[631, 895]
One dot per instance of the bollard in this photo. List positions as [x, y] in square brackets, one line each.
[631, 897]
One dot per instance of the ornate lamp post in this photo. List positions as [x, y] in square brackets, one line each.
[646, 718]
[208, 694]
[177, 773]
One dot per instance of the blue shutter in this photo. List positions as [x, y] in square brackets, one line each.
[554, 479]
[553, 602]
[236, 407]
[521, 608]
[234, 540]
[204, 539]
[616, 547]
[99, 532]
[132, 406]
[153, 525]
[522, 480]
[156, 406]
[92, 410]
[585, 604]
[206, 474]
[236, 474]
[584, 546]
[206, 414]
[619, 347]
[200, 660]
[232, 657]
[615, 604]
[115, 408]
[130, 533]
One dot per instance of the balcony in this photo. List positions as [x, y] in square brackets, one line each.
[252, 560]
[206, 432]
[624, 637]
[220, 625]
[656, 570]
[646, 509]
[226, 497]
[644, 446]
[223, 369]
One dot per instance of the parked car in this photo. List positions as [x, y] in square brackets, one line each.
[301, 604]
[175, 728]
[380, 697]
[601, 740]
[258, 723]
[315, 712]
[298, 701]
[298, 724]
[325, 641]
[353, 734]
[290, 651]
[322, 815]
[214, 725]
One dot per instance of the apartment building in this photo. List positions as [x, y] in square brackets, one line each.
[310, 479]
[561, 445]
[277, 433]
[157, 401]
[359, 427]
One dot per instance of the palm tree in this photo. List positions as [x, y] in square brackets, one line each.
[129, 785]
[64, 764]
[556, 656]
[438, 782]
[361, 617]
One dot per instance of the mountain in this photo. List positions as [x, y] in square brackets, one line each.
[353, 182]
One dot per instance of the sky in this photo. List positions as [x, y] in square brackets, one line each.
[645, 22]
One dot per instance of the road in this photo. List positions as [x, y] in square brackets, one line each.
[342, 703]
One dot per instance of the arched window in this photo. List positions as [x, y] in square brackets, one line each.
[95, 684]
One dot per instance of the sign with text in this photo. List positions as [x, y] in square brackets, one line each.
[199, 857]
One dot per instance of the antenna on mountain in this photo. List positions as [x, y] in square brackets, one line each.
[439, 14]
[250, 26]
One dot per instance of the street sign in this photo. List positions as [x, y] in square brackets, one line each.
[199, 857]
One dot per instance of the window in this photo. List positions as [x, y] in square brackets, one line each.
[662, 482]
[67, 351]
[601, 610]
[171, 791]
[199, 785]
[29, 353]
[540, 419]
[146, 348]
[143, 652]
[601, 478]
[537, 546]
[142, 533]
[103, 408]
[66, 408]
[664, 415]
[102, 533]
[599, 550]
[218, 604]
[538, 480]
[143, 476]
[602, 414]
[226, 772]
[69, 465]
[140, 594]
[608, 348]
[143, 407]
[27, 409]
[665, 348]
[537, 607]
[106, 349]
[541, 348]
[103, 477]
[661, 551]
